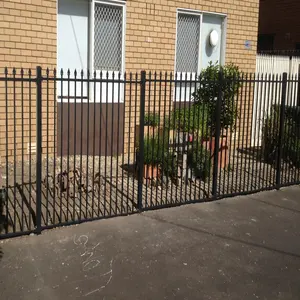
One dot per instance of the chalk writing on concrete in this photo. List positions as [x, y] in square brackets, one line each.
[91, 261]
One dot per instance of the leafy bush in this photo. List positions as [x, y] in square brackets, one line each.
[188, 119]
[270, 134]
[4, 223]
[208, 92]
[198, 159]
[152, 119]
[169, 165]
[157, 153]
[155, 149]
[290, 138]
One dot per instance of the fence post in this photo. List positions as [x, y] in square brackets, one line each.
[281, 130]
[141, 140]
[217, 135]
[38, 149]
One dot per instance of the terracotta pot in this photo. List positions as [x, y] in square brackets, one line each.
[151, 172]
[223, 152]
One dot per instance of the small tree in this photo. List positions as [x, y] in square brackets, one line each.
[213, 79]
[151, 119]
[290, 138]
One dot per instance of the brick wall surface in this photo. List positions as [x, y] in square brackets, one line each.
[27, 33]
[28, 38]
[151, 31]
[281, 18]
[151, 35]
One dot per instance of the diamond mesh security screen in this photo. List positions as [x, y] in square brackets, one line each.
[187, 53]
[108, 32]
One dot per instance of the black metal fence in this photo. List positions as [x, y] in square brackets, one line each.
[80, 146]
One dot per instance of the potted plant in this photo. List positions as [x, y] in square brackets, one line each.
[198, 159]
[151, 119]
[155, 149]
[211, 84]
[187, 123]
[151, 125]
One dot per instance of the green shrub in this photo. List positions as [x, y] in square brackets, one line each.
[188, 119]
[198, 159]
[290, 138]
[4, 223]
[157, 153]
[154, 150]
[208, 92]
[170, 163]
[270, 134]
[152, 119]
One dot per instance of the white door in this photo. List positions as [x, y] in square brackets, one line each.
[72, 48]
[212, 22]
[108, 32]
[187, 53]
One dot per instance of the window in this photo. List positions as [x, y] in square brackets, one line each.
[188, 33]
[193, 49]
[91, 36]
[108, 36]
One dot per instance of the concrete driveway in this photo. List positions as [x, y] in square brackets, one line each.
[240, 248]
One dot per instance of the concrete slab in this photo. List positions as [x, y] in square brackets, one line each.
[240, 248]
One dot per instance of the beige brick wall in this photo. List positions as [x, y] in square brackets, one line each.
[28, 38]
[27, 33]
[151, 31]
[151, 35]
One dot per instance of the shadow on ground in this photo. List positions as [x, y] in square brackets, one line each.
[131, 169]
[254, 152]
[221, 236]
[277, 206]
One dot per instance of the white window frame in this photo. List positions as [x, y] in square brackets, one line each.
[90, 63]
[199, 67]
[114, 3]
[188, 12]
[201, 14]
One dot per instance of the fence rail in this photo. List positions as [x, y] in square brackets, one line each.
[83, 146]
